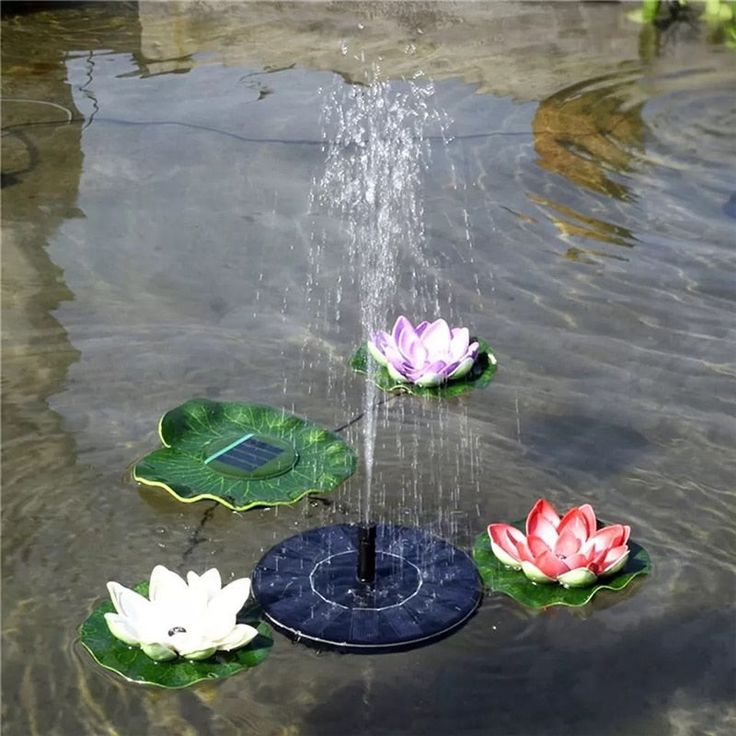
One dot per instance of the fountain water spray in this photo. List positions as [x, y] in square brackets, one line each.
[372, 177]
[376, 155]
[372, 586]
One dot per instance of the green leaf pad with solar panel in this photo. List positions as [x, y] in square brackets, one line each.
[243, 455]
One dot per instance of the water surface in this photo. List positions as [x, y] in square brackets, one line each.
[162, 244]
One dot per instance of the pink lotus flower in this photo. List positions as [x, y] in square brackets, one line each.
[426, 355]
[570, 550]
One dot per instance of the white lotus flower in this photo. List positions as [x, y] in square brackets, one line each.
[192, 618]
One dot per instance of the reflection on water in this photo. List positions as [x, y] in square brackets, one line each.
[571, 222]
[624, 141]
[155, 248]
[585, 132]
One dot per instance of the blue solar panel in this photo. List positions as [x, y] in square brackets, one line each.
[247, 454]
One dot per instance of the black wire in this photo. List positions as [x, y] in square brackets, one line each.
[90, 61]
[196, 537]
[358, 417]
[245, 139]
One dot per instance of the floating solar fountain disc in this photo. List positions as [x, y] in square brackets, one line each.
[424, 588]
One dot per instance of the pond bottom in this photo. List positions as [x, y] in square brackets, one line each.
[424, 588]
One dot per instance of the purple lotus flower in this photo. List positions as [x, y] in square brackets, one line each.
[428, 355]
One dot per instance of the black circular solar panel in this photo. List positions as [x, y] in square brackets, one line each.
[424, 588]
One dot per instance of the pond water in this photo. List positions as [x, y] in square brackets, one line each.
[162, 240]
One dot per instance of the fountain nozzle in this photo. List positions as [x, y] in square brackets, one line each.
[367, 553]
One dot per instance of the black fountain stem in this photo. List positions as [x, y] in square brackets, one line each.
[367, 553]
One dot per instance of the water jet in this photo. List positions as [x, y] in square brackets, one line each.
[368, 586]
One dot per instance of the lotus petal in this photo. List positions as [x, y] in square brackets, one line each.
[396, 359]
[567, 543]
[396, 374]
[551, 565]
[504, 558]
[617, 564]
[541, 527]
[462, 369]
[575, 523]
[459, 343]
[200, 654]
[115, 590]
[411, 348]
[241, 635]
[589, 515]
[167, 586]
[437, 339]
[376, 352]
[430, 379]
[537, 546]
[121, 628]
[421, 328]
[579, 560]
[522, 549]
[502, 544]
[541, 509]
[581, 577]
[415, 372]
[401, 325]
[534, 573]
[627, 532]
[450, 367]
[605, 539]
[413, 352]
[174, 600]
[159, 652]
[217, 625]
[209, 583]
[232, 597]
[128, 603]
[431, 375]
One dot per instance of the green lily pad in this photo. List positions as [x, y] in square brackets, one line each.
[480, 375]
[310, 458]
[499, 578]
[135, 666]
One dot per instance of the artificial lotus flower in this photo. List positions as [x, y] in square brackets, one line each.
[570, 550]
[192, 618]
[426, 355]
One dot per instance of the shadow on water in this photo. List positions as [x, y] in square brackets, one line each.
[33, 286]
[610, 688]
[591, 445]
